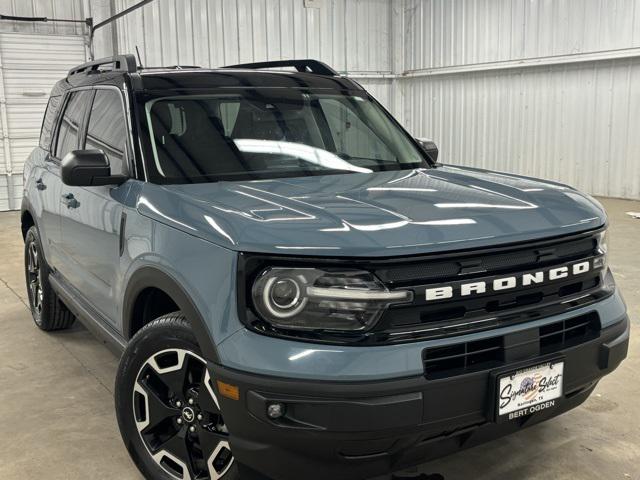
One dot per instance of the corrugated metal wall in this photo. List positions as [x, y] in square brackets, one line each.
[441, 33]
[351, 35]
[577, 124]
[69, 9]
[543, 88]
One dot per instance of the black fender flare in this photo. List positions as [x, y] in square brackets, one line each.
[149, 276]
[25, 205]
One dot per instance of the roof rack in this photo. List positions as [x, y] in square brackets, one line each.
[311, 66]
[123, 63]
[172, 67]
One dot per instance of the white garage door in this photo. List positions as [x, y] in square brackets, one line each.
[30, 65]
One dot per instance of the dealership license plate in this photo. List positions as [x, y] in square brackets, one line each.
[529, 390]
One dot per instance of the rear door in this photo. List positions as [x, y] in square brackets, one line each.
[92, 216]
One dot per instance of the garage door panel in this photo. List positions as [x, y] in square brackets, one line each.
[7, 202]
[31, 65]
[21, 84]
[25, 119]
[26, 64]
[23, 49]
[20, 149]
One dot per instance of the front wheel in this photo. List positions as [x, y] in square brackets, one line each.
[168, 413]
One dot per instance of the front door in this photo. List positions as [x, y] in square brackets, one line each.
[48, 181]
[91, 216]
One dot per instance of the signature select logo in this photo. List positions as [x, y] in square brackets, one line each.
[529, 388]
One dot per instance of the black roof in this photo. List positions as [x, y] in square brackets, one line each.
[224, 77]
[115, 70]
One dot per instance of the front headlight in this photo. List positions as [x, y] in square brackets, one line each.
[314, 299]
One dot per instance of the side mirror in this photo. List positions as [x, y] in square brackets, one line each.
[429, 147]
[88, 168]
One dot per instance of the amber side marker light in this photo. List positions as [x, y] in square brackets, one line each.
[229, 391]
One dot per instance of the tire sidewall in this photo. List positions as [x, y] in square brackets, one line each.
[34, 237]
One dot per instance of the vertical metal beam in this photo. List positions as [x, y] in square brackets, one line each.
[112, 19]
[114, 30]
[86, 33]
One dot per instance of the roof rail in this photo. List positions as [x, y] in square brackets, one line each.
[123, 63]
[311, 66]
[172, 67]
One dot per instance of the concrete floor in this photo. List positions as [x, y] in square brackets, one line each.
[56, 396]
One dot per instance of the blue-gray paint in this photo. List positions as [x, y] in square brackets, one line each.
[381, 214]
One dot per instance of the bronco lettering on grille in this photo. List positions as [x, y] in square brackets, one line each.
[506, 283]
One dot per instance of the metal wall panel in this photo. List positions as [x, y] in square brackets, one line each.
[67, 9]
[576, 124]
[571, 122]
[381, 89]
[31, 64]
[442, 33]
[350, 35]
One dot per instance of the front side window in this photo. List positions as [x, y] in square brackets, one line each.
[69, 129]
[107, 130]
[264, 133]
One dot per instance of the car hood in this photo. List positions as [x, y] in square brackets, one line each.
[380, 214]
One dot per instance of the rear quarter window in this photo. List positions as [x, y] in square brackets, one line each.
[49, 121]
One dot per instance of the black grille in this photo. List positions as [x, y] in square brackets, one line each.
[457, 315]
[511, 260]
[489, 353]
[463, 357]
[568, 333]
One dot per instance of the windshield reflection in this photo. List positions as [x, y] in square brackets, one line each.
[312, 155]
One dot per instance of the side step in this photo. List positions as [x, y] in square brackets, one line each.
[91, 320]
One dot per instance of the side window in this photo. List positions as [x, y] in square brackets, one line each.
[48, 122]
[69, 129]
[107, 129]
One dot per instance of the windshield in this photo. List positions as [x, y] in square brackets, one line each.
[259, 134]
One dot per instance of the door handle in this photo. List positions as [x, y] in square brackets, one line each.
[70, 201]
[40, 184]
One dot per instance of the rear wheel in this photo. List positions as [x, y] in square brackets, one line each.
[47, 310]
[168, 413]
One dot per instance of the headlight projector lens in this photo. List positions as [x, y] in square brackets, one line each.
[282, 297]
[317, 299]
[285, 293]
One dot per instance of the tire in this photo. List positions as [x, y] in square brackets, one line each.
[169, 419]
[47, 310]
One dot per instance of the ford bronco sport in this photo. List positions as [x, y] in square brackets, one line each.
[298, 289]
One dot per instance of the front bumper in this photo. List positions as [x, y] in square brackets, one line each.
[358, 430]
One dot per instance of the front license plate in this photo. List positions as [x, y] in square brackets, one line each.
[529, 390]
